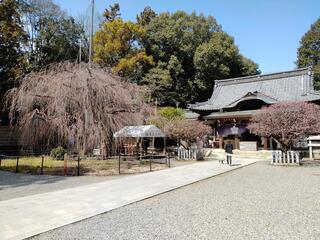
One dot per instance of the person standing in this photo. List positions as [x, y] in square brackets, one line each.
[229, 150]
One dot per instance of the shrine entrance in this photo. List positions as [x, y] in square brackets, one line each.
[235, 130]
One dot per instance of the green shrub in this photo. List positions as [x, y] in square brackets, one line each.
[58, 153]
[171, 113]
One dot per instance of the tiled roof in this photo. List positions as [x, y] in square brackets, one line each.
[290, 86]
[218, 115]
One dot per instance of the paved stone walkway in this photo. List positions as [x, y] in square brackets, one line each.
[28, 216]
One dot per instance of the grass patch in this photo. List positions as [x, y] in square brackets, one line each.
[32, 165]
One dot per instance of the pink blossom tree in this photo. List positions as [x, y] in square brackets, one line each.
[186, 130]
[287, 122]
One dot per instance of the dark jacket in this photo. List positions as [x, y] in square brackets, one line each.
[228, 147]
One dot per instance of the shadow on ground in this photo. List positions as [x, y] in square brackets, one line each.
[310, 163]
[11, 180]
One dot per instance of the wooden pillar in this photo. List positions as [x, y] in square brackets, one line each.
[236, 142]
[221, 142]
[265, 143]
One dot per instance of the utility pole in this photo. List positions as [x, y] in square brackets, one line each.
[91, 33]
[156, 107]
[80, 51]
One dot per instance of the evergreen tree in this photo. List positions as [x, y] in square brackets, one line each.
[309, 51]
[190, 51]
[219, 58]
[118, 45]
[53, 35]
[146, 16]
[12, 40]
[58, 40]
[112, 13]
[178, 56]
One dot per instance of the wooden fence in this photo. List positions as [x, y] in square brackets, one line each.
[285, 158]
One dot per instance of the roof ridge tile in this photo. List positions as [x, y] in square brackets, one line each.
[260, 77]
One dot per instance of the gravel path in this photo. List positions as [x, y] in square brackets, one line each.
[14, 185]
[256, 202]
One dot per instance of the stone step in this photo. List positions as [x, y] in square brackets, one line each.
[217, 154]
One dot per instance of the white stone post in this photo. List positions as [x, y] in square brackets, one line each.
[310, 150]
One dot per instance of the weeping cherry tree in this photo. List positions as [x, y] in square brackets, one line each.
[75, 106]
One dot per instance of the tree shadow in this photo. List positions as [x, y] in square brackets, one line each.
[310, 163]
[12, 180]
[236, 164]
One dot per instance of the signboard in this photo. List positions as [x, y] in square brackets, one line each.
[302, 143]
[248, 146]
[96, 152]
[231, 129]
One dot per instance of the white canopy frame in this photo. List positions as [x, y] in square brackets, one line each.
[144, 131]
[140, 132]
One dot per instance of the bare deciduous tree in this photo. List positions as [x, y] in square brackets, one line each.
[74, 106]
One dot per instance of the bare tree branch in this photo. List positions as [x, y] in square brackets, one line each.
[73, 106]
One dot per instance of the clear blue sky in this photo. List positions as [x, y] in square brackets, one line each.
[267, 31]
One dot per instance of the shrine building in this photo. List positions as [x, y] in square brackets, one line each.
[234, 101]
